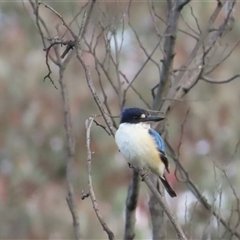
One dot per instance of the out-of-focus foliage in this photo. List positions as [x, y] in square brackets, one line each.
[32, 139]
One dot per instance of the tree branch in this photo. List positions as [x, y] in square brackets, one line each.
[133, 193]
[67, 118]
[131, 205]
[163, 204]
[168, 52]
[70, 152]
[174, 11]
[60, 17]
[197, 193]
[187, 79]
[94, 93]
[88, 124]
[210, 80]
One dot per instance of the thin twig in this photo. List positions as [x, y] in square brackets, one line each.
[180, 144]
[39, 23]
[105, 96]
[121, 100]
[193, 188]
[95, 94]
[210, 80]
[88, 124]
[60, 17]
[103, 127]
[186, 80]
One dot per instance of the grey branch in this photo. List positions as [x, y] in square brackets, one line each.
[110, 234]
[182, 4]
[174, 12]
[168, 52]
[96, 98]
[210, 80]
[163, 204]
[70, 154]
[131, 205]
[198, 59]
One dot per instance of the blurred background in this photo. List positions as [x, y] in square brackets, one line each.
[203, 128]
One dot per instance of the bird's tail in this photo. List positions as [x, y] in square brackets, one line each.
[167, 186]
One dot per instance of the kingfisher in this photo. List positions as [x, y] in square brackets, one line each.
[142, 146]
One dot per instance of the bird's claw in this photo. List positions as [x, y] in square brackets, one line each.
[143, 173]
[130, 165]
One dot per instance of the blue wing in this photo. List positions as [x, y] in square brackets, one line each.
[161, 147]
[158, 139]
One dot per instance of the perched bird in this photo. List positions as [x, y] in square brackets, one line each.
[142, 146]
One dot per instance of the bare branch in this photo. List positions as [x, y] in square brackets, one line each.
[103, 127]
[88, 124]
[131, 205]
[197, 193]
[202, 37]
[163, 204]
[187, 79]
[181, 4]
[70, 154]
[39, 23]
[173, 15]
[105, 70]
[94, 92]
[60, 17]
[180, 144]
[173, 85]
[157, 214]
[121, 100]
[105, 102]
[149, 58]
[156, 15]
[196, 20]
[133, 88]
[168, 50]
[212, 67]
[66, 114]
[209, 80]
[85, 21]
[190, 27]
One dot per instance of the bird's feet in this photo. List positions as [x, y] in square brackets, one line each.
[143, 173]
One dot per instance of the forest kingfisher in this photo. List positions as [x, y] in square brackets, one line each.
[141, 145]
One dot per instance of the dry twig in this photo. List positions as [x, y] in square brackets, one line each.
[88, 124]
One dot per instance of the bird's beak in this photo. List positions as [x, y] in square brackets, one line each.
[153, 119]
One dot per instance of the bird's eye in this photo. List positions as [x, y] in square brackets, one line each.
[143, 116]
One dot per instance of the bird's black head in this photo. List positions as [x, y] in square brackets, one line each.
[137, 115]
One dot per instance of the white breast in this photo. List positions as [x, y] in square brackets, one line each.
[135, 143]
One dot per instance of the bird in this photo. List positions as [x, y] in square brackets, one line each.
[142, 146]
